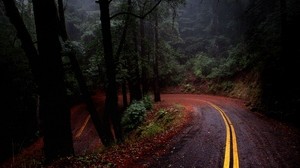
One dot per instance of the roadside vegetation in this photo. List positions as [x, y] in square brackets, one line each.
[148, 132]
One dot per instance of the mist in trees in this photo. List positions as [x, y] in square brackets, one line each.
[224, 40]
[243, 49]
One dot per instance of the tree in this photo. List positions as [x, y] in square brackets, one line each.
[111, 108]
[47, 68]
[98, 123]
[17, 57]
[111, 101]
[54, 110]
[129, 58]
[156, 60]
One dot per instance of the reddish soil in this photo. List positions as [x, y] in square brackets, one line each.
[123, 155]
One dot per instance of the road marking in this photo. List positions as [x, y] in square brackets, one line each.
[230, 137]
[83, 126]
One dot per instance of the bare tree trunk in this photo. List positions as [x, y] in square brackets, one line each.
[80, 79]
[62, 21]
[120, 48]
[134, 80]
[48, 72]
[156, 58]
[145, 85]
[111, 102]
[215, 21]
[55, 113]
[124, 94]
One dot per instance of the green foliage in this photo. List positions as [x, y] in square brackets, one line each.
[151, 129]
[188, 88]
[223, 87]
[165, 116]
[133, 115]
[171, 72]
[163, 119]
[148, 103]
[202, 65]
[205, 66]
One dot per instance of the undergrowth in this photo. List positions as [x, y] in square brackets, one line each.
[142, 139]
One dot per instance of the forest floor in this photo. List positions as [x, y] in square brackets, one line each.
[139, 144]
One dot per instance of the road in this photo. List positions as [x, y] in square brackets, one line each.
[222, 133]
[259, 141]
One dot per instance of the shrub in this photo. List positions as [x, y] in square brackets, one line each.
[133, 116]
[188, 88]
[152, 129]
[148, 103]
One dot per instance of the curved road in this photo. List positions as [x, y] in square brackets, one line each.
[222, 133]
[260, 142]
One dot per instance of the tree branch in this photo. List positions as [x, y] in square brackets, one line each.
[135, 15]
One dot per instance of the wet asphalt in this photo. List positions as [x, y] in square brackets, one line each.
[262, 142]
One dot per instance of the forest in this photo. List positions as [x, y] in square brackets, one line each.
[58, 53]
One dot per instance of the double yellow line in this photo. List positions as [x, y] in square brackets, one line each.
[78, 134]
[230, 140]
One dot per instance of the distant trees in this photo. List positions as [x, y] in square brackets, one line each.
[275, 29]
[224, 39]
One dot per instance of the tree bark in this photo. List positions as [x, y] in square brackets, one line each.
[111, 101]
[145, 85]
[98, 123]
[62, 21]
[136, 89]
[55, 113]
[156, 60]
[120, 48]
[134, 81]
[124, 94]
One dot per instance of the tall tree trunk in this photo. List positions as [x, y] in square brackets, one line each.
[156, 60]
[62, 21]
[215, 19]
[124, 94]
[31, 53]
[284, 39]
[145, 85]
[134, 83]
[81, 81]
[54, 110]
[120, 48]
[286, 62]
[111, 102]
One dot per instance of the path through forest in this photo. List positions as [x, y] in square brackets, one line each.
[221, 132]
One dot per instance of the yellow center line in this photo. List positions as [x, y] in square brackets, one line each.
[83, 126]
[229, 127]
[235, 149]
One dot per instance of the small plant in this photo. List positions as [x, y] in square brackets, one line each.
[152, 129]
[133, 115]
[188, 88]
[148, 102]
[161, 113]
